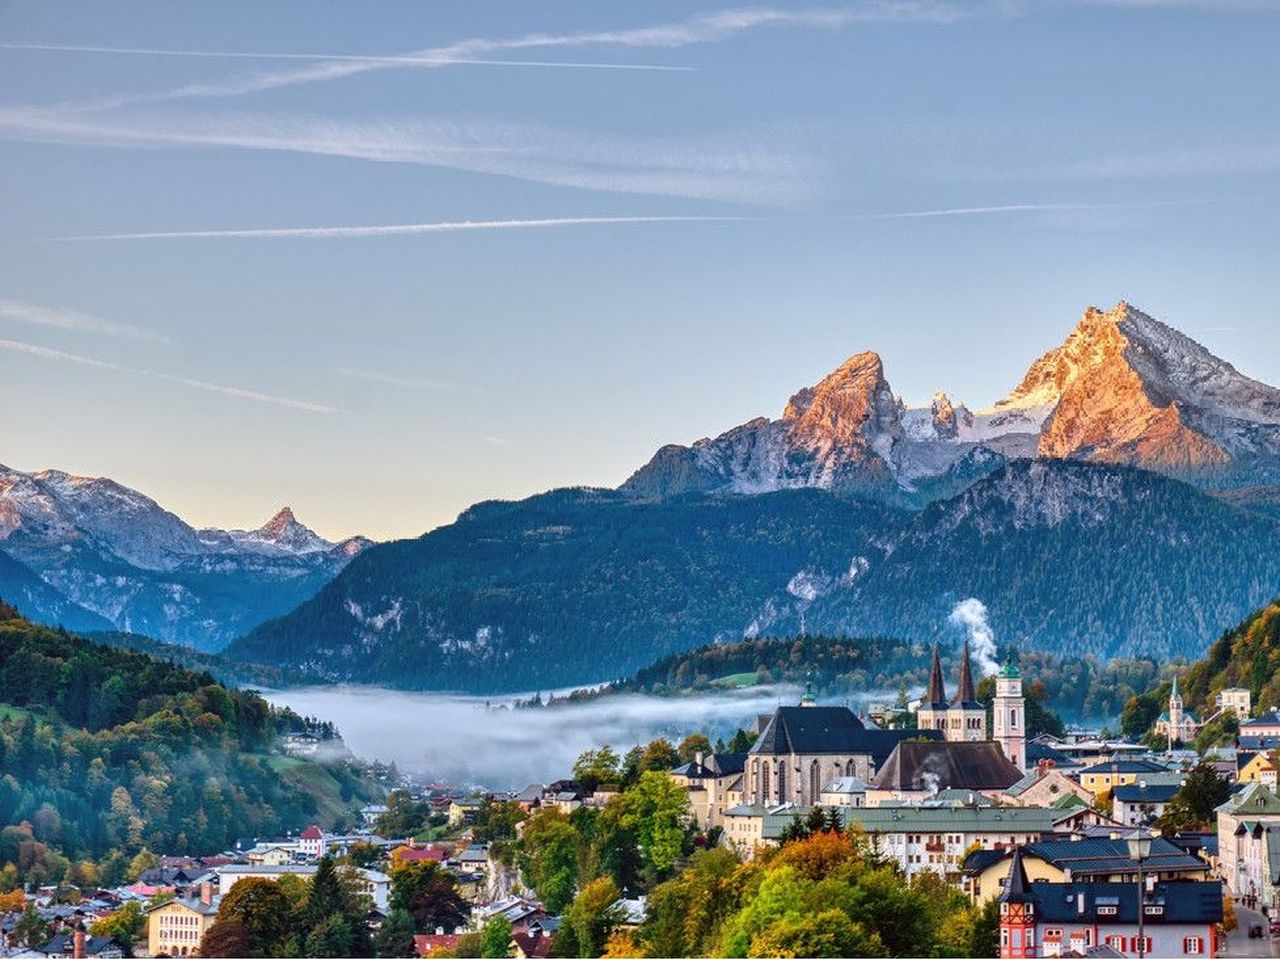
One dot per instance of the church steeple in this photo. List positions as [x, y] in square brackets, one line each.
[966, 693]
[937, 693]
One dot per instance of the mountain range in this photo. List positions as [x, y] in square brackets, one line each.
[1121, 499]
[1123, 388]
[91, 554]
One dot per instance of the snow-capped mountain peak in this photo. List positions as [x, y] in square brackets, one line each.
[1122, 388]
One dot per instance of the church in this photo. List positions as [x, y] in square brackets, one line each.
[964, 719]
[1176, 724]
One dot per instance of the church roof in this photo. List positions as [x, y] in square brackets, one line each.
[936, 694]
[923, 765]
[821, 730]
[965, 693]
[1017, 889]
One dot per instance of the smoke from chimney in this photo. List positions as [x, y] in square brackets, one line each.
[971, 614]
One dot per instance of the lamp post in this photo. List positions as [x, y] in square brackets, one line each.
[1139, 849]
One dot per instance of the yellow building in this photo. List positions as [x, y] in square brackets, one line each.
[175, 929]
[1259, 769]
[1107, 776]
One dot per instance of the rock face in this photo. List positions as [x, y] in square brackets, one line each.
[1123, 388]
[108, 556]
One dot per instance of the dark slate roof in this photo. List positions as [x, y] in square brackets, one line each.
[1193, 903]
[1125, 766]
[1269, 719]
[810, 730]
[1258, 742]
[918, 765]
[724, 764]
[978, 860]
[1102, 855]
[965, 695]
[1042, 751]
[1148, 793]
[1017, 888]
[63, 943]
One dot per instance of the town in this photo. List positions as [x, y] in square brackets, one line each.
[1049, 845]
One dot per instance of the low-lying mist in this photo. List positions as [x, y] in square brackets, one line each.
[475, 740]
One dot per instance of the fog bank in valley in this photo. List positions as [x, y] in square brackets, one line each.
[460, 739]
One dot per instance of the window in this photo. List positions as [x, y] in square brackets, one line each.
[1144, 948]
[1193, 945]
[1116, 943]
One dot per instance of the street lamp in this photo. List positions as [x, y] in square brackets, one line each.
[1139, 849]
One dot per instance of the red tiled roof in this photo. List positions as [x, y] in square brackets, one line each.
[427, 943]
[418, 854]
[311, 833]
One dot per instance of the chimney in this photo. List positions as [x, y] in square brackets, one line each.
[1080, 903]
[697, 757]
[77, 940]
[206, 893]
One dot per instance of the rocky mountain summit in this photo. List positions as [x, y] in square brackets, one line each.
[1123, 388]
[110, 556]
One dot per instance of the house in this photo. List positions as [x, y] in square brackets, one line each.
[80, 944]
[311, 842]
[917, 769]
[806, 746]
[1047, 919]
[844, 792]
[1261, 733]
[1107, 776]
[176, 928]
[1043, 785]
[272, 854]
[530, 797]
[1086, 859]
[1141, 803]
[524, 915]
[1255, 804]
[464, 810]
[1258, 863]
[936, 838]
[1258, 768]
[710, 781]
[744, 824]
[371, 812]
[372, 883]
[1237, 700]
[535, 944]
[631, 911]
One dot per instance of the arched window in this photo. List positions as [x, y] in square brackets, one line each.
[815, 782]
[782, 782]
[764, 782]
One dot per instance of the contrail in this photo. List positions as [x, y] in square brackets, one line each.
[424, 60]
[48, 353]
[390, 230]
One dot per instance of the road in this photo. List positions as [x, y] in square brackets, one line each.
[1238, 943]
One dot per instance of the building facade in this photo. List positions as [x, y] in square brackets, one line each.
[962, 719]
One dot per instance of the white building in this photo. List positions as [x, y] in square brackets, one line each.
[376, 885]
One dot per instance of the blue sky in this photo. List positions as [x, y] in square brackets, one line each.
[725, 185]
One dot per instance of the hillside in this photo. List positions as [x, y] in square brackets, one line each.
[566, 587]
[1247, 655]
[106, 752]
[578, 586]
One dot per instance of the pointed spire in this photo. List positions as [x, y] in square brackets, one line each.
[808, 699]
[937, 691]
[1174, 693]
[966, 693]
[1017, 889]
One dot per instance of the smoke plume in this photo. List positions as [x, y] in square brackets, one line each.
[971, 614]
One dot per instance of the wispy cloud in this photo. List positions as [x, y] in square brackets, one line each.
[390, 229]
[677, 34]
[47, 353]
[748, 168]
[400, 60]
[1013, 208]
[496, 441]
[395, 380]
[63, 319]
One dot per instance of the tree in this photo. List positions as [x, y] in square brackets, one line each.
[1193, 806]
[593, 915]
[327, 896]
[549, 857]
[826, 934]
[395, 936]
[741, 741]
[226, 938]
[31, 928]
[428, 892]
[594, 767]
[332, 937]
[495, 938]
[692, 745]
[262, 911]
[125, 925]
[659, 755]
[657, 810]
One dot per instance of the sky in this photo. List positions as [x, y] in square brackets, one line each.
[381, 267]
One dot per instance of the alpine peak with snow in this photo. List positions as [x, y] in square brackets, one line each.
[118, 555]
[1123, 388]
